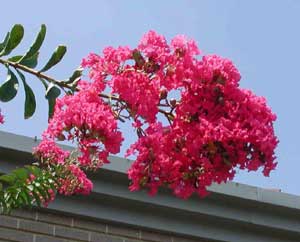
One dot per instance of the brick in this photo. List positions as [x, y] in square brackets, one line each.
[72, 233]
[96, 237]
[7, 221]
[181, 239]
[35, 226]
[89, 225]
[123, 231]
[54, 218]
[133, 240]
[24, 213]
[43, 238]
[155, 236]
[15, 235]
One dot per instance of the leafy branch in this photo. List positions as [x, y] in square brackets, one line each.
[30, 185]
[18, 65]
[33, 185]
[27, 186]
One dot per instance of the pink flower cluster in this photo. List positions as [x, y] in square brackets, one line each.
[75, 181]
[47, 150]
[215, 127]
[86, 120]
[45, 201]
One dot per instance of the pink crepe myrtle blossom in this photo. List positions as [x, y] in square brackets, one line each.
[84, 118]
[76, 182]
[213, 126]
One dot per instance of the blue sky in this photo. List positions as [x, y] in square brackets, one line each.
[261, 37]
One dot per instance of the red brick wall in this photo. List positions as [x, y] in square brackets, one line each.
[43, 226]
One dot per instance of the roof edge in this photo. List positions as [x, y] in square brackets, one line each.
[19, 145]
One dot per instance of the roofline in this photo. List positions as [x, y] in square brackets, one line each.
[24, 144]
[232, 212]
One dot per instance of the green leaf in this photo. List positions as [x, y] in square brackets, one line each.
[30, 187]
[15, 36]
[30, 103]
[75, 76]
[55, 58]
[8, 197]
[31, 61]
[15, 58]
[36, 197]
[17, 199]
[52, 184]
[25, 198]
[51, 105]
[9, 89]
[52, 93]
[28, 196]
[9, 179]
[43, 82]
[44, 192]
[3, 44]
[34, 170]
[34, 48]
[21, 173]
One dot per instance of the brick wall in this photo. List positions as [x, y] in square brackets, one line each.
[43, 226]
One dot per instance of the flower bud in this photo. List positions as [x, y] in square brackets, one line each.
[173, 102]
[61, 137]
[163, 94]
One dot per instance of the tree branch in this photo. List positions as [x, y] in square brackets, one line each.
[35, 73]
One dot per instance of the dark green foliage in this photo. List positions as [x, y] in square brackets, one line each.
[31, 185]
[34, 48]
[56, 57]
[12, 39]
[9, 89]
[25, 64]
[30, 103]
[52, 92]
[26, 186]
